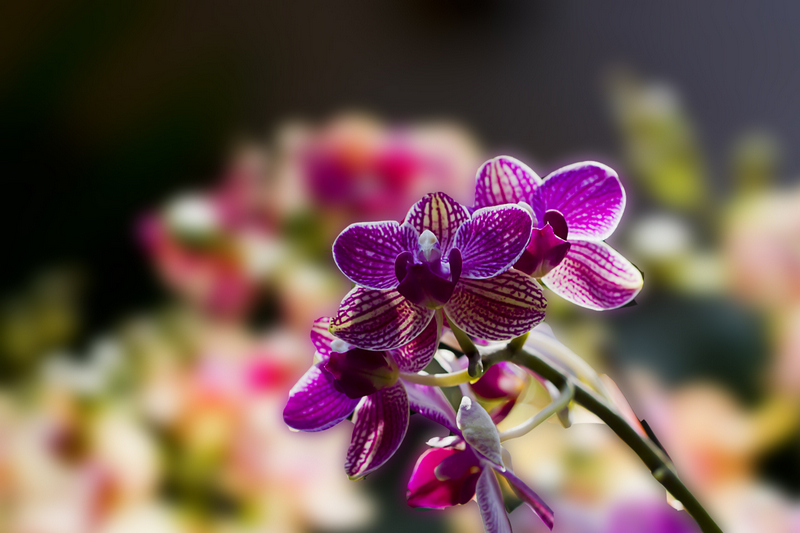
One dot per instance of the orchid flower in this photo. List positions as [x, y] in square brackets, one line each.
[440, 257]
[575, 208]
[466, 465]
[349, 380]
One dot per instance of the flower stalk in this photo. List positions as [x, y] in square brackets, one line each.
[476, 367]
[452, 379]
[567, 393]
[658, 463]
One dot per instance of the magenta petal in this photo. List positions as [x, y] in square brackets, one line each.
[366, 252]
[490, 502]
[504, 180]
[595, 276]
[544, 253]
[314, 404]
[479, 431]
[492, 240]
[501, 380]
[531, 498]
[380, 423]
[499, 308]
[431, 403]
[428, 491]
[416, 355]
[458, 466]
[321, 337]
[589, 195]
[441, 215]
[378, 320]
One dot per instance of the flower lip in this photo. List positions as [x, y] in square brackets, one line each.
[424, 278]
[358, 372]
[548, 246]
[556, 220]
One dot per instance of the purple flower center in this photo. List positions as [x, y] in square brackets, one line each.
[357, 372]
[548, 246]
[424, 278]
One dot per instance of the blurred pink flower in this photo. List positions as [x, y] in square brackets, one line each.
[357, 168]
[216, 247]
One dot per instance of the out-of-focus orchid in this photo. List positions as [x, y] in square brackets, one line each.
[355, 167]
[441, 256]
[467, 466]
[654, 517]
[348, 380]
[575, 209]
[216, 247]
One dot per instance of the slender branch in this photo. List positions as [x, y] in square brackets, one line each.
[554, 349]
[561, 401]
[452, 379]
[658, 463]
[518, 342]
[476, 368]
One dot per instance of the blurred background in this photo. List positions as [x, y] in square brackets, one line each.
[174, 175]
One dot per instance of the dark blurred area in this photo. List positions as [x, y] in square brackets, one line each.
[110, 106]
[111, 109]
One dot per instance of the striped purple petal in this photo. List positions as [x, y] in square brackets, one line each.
[378, 320]
[479, 431]
[322, 338]
[490, 502]
[589, 195]
[499, 308]
[314, 404]
[531, 498]
[366, 252]
[504, 180]
[595, 276]
[380, 423]
[441, 215]
[493, 240]
[431, 403]
[416, 355]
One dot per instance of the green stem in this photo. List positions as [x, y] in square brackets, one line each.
[560, 402]
[476, 368]
[439, 380]
[658, 463]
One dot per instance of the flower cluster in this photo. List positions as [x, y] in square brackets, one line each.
[471, 272]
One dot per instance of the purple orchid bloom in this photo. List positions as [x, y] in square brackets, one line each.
[346, 380]
[575, 208]
[468, 465]
[440, 257]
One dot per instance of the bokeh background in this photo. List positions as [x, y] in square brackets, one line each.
[174, 173]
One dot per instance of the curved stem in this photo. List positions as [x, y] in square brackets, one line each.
[476, 367]
[438, 380]
[555, 350]
[561, 401]
[658, 463]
